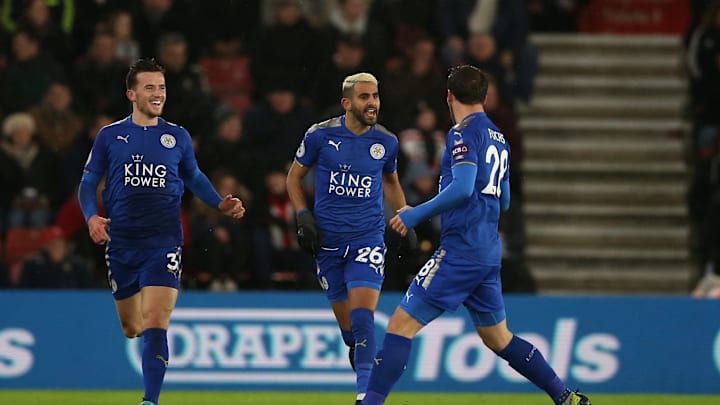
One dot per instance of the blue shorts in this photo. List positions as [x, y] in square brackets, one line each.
[360, 264]
[446, 281]
[129, 270]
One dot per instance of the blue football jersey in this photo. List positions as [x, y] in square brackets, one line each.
[471, 230]
[348, 179]
[143, 188]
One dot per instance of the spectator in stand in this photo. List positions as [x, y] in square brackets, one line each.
[349, 58]
[55, 266]
[71, 222]
[554, 15]
[228, 21]
[57, 125]
[99, 79]
[278, 256]
[506, 23]
[275, 126]
[52, 21]
[191, 102]
[418, 80]
[29, 74]
[423, 142]
[229, 150]
[219, 264]
[127, 48]
[405, 22]
[482, 52]
[77, 153]
[154, 18]
[37, 168]
[352, 18]
[289, 47]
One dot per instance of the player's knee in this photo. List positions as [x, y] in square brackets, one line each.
[497, 341]
[132, 329]
[362, 321]
[157, 318]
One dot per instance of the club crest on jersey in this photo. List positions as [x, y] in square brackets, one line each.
[459, 151]
[168, 141]
[300, 150]
[377, 151]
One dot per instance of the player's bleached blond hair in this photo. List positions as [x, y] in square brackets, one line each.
[349, 83]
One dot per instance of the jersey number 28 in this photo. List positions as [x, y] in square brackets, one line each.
[499, 162]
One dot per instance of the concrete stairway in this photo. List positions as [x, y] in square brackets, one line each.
[605, 179]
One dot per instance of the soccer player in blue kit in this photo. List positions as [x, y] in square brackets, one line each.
[465, 269]
[355, 162]
[148, 162]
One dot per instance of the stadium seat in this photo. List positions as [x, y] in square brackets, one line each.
[230, 80]
[21, 242]
[228, 75]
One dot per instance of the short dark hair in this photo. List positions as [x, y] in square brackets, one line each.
[468, 84]
[142, 65]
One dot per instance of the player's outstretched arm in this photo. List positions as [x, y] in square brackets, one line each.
[459, 190]
[200, 185]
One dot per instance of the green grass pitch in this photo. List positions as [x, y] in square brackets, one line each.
[49, 397]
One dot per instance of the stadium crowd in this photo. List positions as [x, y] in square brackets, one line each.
[246, 78]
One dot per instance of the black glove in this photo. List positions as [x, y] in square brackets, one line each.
[307, 235]
[400, 246]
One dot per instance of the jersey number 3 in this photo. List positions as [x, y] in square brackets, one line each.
[499, 162]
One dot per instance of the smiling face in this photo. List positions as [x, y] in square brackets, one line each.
[148, 95]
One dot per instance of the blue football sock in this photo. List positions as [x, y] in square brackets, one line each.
[154, 362]
[527, 360]
[363, 328]
[348, 337]
[390, 362]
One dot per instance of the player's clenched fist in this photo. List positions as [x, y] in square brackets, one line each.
[98, 227]
[232, 207]
[307, 235]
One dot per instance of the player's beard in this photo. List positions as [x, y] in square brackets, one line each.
[148, 110]
[360, 116]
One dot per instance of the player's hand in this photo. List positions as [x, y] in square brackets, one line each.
[398, 245]
[408, 243]
[98, 228]
[398, 225]
[232, 207]
[403, 208]
[307, 234]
